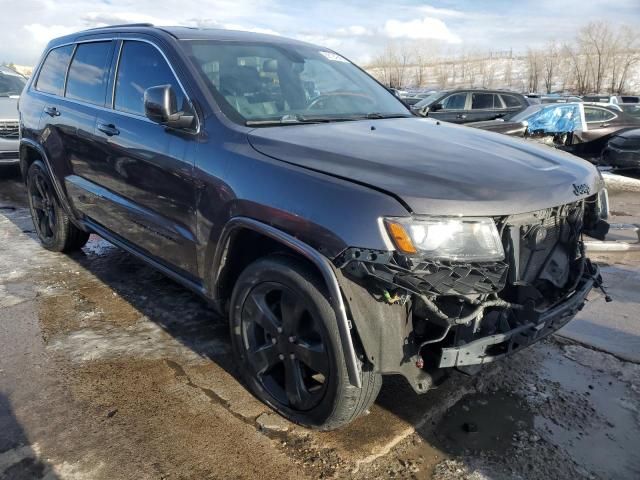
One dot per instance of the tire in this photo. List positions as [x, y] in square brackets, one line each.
[55, 230]
[264, 338]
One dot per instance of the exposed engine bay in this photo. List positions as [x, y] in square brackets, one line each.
[465, 314]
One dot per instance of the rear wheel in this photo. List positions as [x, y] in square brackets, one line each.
[288, 349]
[53, 226]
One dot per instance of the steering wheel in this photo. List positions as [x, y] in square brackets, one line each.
[331, 96]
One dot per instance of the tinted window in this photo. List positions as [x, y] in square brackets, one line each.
[455, 102]
[597, 114]
[142, 66]
[510, 101]
[631, 99]
[54, 69]
[87, 79]
[482, 100]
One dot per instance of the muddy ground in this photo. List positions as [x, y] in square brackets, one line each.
[108, 370]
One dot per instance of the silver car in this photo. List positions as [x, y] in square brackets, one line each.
[11, 85]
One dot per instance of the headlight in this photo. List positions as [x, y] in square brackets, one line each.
[464, 239]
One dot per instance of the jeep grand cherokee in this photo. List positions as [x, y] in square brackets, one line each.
[343, 237]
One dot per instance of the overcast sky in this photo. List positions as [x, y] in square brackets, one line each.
[356, 28]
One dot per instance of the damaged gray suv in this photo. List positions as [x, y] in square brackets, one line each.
[343, 237]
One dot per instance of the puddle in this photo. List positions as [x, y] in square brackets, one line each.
[483, 422]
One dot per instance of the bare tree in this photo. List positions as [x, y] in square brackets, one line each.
[598, 44]
[550, 61]
[533, 69]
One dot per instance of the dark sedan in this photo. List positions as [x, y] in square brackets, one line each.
[581, 129]
[623, 151]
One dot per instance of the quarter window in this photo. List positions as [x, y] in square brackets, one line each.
[142, 66]
[87, 80]
[595, 115]
[480, 101]
[455, 102]
[53, 71]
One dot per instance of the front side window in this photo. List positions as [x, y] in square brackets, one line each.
[595, 115]
[288, 83]
[142, 66]
[87, 74]
[481, 101]
[456, 101]
[53, 71]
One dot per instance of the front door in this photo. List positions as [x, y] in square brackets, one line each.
[145, 173]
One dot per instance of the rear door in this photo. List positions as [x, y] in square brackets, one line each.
[454, 108]
[599, 122]
[55, 128]
[484, 106]
[144, 174]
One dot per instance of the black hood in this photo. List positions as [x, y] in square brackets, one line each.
[434, 167]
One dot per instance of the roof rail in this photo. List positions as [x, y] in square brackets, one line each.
[124, 25]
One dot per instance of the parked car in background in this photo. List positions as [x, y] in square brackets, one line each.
[602, 98]
[470, 105]
[414, 97]
[11, 85]
[622, 151]
[632, 109]
[343, 237]
[579, 128]
[559, 99]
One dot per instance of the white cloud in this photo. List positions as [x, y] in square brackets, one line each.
[421, 29]
[440, 12]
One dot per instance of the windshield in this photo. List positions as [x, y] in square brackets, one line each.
[261, 83]
[428, 100]
[11, 84]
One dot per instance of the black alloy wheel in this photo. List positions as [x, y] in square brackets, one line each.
[43, 208]
[285, 346]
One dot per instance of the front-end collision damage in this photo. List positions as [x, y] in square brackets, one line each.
[416, 317]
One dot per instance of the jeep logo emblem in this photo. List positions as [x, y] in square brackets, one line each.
[581, 189]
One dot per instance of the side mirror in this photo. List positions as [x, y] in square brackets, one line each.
[161, 106]
[435, 107]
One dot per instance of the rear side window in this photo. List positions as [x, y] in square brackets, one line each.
[592, 115]
[455, 101]
[53, 71]
[483, 100]
[510, 101]
[141, 66]
[87, 75]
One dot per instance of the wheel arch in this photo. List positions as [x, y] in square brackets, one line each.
[237, 248]
[30, 152]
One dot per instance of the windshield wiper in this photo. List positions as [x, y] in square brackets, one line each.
[294, 119]
[378, 116]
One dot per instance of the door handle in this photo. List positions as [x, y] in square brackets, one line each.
[461, 116]
[52, 111]
[108, 129]
[604, 125]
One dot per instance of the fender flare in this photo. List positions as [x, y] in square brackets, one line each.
[62, 198]
[321, 262]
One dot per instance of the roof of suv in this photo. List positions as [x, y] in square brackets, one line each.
[186, 33]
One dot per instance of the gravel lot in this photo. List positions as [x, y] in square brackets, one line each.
[110, 370]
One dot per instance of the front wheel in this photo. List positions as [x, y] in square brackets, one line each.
[53, 226]
[287, 346]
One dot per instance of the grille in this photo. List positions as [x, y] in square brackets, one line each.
[532, 259]
[9, 129]
[528, 252]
